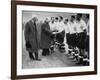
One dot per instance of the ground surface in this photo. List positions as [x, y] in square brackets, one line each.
[56, 59]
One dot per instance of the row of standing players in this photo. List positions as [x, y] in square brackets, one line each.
[75, 34]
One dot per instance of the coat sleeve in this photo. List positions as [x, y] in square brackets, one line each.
[26, 32]
[46, 29]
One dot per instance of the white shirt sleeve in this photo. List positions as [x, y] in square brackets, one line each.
[66, 27]
[52, 26]
[87, 29]
[83, 24]
[61, 27]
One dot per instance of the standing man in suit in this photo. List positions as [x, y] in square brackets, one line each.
[31, 38]
[46, 37]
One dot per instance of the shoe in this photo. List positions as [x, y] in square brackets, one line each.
[38, 59]
[32, 58]
[79, 62]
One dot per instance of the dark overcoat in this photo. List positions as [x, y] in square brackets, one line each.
[32, 36]
[45, 36]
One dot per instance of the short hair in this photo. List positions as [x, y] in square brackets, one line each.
[52, 17]
[61, 17]
[73, 16]
[66, 19]
[79, 14]
[56, 18]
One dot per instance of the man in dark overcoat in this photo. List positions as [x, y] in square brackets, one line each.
[31, 38]
[46, 37]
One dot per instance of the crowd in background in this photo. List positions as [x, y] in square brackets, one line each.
[70, 36]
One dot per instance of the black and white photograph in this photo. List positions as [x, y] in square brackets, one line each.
[55, 39]
[52, 40]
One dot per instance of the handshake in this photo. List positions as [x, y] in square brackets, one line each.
[55, 32]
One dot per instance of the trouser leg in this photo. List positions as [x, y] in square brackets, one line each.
[48, 52]
[36, 56]
[45, 52]
[31, 55]
[40, 53]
